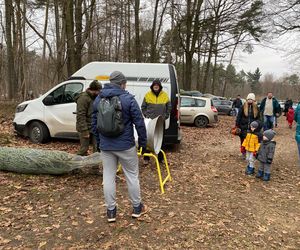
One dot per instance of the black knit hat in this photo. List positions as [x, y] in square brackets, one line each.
[95, 85]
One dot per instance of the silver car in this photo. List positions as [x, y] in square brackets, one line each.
[197, 110]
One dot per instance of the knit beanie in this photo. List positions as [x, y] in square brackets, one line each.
[117, 77]
[251, 96]
[254, 124]
[270, 133]
[95, 85]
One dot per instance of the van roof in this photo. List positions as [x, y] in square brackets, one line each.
[145, 72]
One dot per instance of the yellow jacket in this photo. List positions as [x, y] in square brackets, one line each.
[251, 142]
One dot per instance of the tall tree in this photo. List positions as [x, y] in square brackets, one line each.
[11, 76]
[138, 56]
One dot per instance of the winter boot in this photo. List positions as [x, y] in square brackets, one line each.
[249, 170]
[260, 174]
[267, 177]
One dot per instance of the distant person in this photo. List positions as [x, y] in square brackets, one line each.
[121, 148]
[247, 114]
[265, 155]
[288, 103]
[290, 116]
[237, 104]
[251, 145]
[297, 120]
[84, 112]
[156, 103]
[269, 108]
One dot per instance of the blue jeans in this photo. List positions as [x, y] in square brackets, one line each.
[298, 144]
[268, 121]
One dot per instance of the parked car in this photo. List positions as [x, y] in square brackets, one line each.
[197, 110]
[191, 93]
[224, 107]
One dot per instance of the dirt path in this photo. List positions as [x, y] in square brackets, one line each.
[210, 204]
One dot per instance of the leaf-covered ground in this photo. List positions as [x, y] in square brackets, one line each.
[210, 204]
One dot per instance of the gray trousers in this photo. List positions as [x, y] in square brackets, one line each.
[130, 167]
[265, 167]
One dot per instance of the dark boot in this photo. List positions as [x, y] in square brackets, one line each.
[260, 174]
[267, 177]
[249, 170]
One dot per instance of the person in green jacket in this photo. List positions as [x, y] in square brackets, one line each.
[297, 120]
[84, 117]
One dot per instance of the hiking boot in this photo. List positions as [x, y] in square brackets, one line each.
[259, 174]
[111, 215]
[267, 177]
[249, 170]
[139, 210]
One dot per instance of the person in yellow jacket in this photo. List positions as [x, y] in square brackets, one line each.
[251, 144]
[156, 103]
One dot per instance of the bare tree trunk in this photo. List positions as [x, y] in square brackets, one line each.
[69, 22]
[59, 42]
[153, 29]
[138, 56]
[44, 46]
[11, 77]
[78, 34]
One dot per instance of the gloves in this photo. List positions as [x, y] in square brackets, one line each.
[255, 154]
[243, 150]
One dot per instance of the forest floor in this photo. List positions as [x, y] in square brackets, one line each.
[210, 203]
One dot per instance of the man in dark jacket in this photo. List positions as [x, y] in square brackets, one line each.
[84, 117]
[121, 149]
[156, 103]
[237, 104]
[270, 109]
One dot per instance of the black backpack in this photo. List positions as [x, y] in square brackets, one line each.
[109, 119]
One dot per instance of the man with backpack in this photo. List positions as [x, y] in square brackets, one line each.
[115, 113]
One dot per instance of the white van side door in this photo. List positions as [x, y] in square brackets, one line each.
[60, 116]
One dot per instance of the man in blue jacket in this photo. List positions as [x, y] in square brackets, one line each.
[270, 109]
[121, 149]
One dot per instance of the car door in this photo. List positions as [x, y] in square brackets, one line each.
[60, 116]
[187, 109]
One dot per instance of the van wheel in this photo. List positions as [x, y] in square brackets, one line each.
[38, 132]
[201, 122]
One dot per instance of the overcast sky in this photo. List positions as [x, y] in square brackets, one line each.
[271, 58]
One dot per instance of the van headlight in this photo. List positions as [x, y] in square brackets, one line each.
[21, 108]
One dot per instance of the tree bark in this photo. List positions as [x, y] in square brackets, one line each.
[138, 56]
[11, 77]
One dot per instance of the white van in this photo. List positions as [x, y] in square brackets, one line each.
[54, 113]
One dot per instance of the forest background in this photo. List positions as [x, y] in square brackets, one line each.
[43, 42]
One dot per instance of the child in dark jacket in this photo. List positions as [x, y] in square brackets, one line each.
[265, 155]
[290, 116]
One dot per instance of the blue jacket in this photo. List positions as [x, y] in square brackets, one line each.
[297, 119]
[132, 115]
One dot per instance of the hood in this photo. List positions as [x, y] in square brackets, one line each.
[111, 89]
[156, 81]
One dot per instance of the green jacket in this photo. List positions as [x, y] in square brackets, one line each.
[84, 112]
[297, 119]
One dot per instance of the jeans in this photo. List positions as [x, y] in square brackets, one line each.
[268, 121]
[250, 158]
[236, 111]
[298, 144]
[130, 167]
